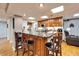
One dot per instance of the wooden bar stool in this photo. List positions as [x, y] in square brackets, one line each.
[27, 44]
[18, 42]
[30, 44]
[57, 45]
[49, 47]
[24, 43]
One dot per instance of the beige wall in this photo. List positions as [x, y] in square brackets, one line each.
[11, 31]
[18, 24]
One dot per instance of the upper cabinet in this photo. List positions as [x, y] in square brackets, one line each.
[51, 22]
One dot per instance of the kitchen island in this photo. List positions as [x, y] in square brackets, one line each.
[39, 42]
[38, 45]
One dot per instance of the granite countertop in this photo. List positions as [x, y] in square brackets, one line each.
[40, 34]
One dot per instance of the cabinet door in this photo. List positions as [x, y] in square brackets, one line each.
[40, 49]
[38, 46]
[51, 23]
[47, 23]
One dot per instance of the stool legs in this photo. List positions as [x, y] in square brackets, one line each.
[23, 51]
[31, 49]
[16, 52]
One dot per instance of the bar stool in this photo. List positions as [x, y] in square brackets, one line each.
[18, 42]
[30, 44]
[24, 43]
[49, 46]
[57, 45]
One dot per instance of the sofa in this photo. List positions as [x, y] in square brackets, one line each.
[72, 40]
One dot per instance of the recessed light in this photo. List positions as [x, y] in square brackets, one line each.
[24, 14]
[57, 9]
[32, 21]
[77, 14]
[31, 18]
[44, 17]
[41, 5]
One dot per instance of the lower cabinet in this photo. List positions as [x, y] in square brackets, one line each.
[39, 46]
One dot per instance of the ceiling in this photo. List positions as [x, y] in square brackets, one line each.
[34, 10]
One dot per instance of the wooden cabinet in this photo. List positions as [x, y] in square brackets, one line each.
[40, 49]
[51, 22]
[39, 45]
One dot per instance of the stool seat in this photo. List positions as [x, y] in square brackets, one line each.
[48, 44]
[30, 42]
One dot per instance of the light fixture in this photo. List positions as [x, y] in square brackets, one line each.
[32, 18]
[77, 14]
[24, 14]
[41, 5]
[32, 21]
[58, 9]
[44, 17]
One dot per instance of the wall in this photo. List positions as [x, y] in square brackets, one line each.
[24, 24]
[18, 24]
[75, 29]
[11, 31]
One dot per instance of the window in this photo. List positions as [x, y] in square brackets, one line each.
[3, 29]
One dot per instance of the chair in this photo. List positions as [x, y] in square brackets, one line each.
[28, 44]
[24, 43]
[18, 41]
[49, 47]
[57, 45]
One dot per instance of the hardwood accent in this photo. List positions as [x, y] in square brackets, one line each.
[39, 44]
[35, 44]
[51, 22]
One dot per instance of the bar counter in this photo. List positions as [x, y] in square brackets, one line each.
[40, 38]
